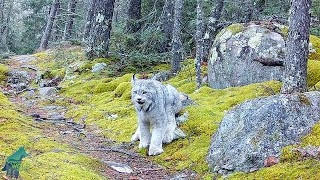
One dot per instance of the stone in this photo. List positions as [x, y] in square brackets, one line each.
[47, 92]
[248, 54]
[259, 128]
[98, 67]
[123, 168]
[162, 76]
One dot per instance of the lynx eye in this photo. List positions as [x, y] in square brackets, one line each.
[134, 92]
[144, 92]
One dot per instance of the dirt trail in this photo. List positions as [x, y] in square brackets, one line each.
[50, 118]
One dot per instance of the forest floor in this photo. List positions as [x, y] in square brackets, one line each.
[86, 139]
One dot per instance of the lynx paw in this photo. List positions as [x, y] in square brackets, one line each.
[155, 151]
[135, 137]
[143, 145]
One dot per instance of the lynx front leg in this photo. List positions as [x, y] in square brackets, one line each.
[136, 136]
[169, 135]
[145, 136]
[156, 140]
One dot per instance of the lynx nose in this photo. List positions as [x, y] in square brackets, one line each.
[139, 99]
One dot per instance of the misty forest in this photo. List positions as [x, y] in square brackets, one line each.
[162, 89]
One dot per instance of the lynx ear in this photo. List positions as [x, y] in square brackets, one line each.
[133, 78]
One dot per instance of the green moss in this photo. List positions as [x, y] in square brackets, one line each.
[315, 41]
[307, 169]
[313, 72]
[42, 162]
[292, 165]
[3, 72]
[235, 28]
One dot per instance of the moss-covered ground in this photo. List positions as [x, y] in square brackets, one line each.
[103, 99]
[47, 158]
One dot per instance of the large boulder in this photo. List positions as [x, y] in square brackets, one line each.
[243, 54]
[256, 130]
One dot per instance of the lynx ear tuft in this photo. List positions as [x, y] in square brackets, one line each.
[133, 78]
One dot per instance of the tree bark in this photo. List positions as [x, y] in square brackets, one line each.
[89, 20]
[100, 34]
[295, 74]
[212, 28]
[177, 48]
[166, 25]
[199, 40]
[47, 33]
[133, 16]
[56, 34]
[69, 24]
[4, 25]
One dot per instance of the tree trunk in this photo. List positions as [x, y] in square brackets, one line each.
[5, 24]
[46, 35]
[69, 24]
[56, 34]
[89, 20]
[100, 34]
[199, 40]
[295, 75]
[166, 25]
[3, 42]
[134, 16]
[212, 28]
[177, 48]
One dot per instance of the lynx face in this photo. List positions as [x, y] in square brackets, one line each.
[143, 94]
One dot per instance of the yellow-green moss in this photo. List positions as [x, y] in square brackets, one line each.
[3, 72]
[235, 28]
[292, 165]
[313, 72]
[315, 41]
[42, 162]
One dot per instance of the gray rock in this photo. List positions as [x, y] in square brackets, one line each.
[244, 55]
[162, 76]
[47, 92]
[257, 129]
[98, 67]
[123, 168]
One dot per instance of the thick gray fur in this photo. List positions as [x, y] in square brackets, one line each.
[156, 105]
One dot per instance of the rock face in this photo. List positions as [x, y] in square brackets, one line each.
[98, 67]
[246, 54]
[252, 132]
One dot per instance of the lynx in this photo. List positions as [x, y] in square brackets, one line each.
[156, 105]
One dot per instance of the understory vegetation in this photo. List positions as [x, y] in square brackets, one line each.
[103, 99]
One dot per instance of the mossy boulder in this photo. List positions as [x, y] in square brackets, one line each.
[258, 129]
[245, 54]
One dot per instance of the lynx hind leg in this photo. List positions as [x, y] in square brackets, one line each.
[170, 130]
[136, 136]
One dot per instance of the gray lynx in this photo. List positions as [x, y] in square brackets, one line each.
[156, 105]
